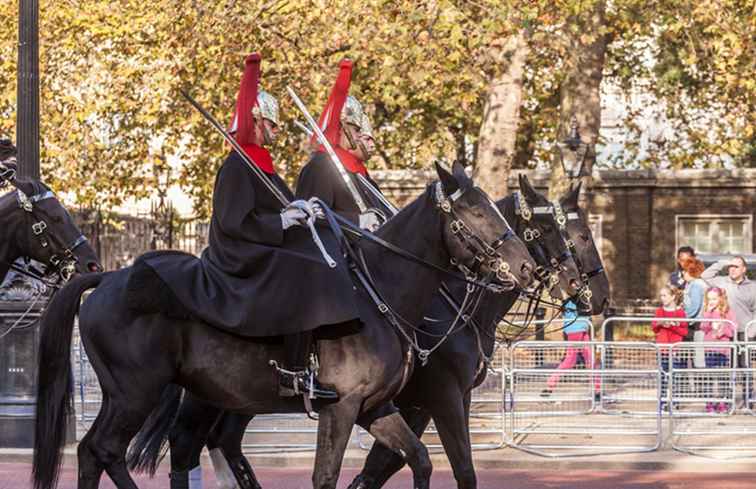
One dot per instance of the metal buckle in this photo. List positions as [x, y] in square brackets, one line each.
[54, 260]
[383, 308]
[39, 227]
[531, 234]
[456, 226]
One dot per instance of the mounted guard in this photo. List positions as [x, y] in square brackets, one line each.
[341, 179]
[251, 273]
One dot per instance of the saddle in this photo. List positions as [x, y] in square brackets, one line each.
[147, 293]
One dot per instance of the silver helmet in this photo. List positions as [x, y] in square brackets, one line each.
[352, 113]
[267, 107]
[366, 128]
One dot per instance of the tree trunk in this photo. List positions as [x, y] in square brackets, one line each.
[580, 90]
[498, 131]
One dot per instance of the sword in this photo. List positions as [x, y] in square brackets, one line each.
[329, 149]
[364, 181]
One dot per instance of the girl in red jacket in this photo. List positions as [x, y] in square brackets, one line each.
[668, 331]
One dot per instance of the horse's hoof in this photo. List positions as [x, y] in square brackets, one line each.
[361, 482]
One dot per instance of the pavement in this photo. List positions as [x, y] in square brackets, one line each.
[504, 468]
[16, 476]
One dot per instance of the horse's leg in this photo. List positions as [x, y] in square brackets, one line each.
[232, 469]
[187, 437]
[334, 429]
[392, 432]
[452, 420]
[121, 421]
[90, 468]
[381, 462]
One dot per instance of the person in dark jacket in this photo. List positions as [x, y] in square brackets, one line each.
[249, 280]
[347, 129]
[676, 278]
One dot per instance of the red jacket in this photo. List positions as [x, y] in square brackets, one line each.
[667, 331]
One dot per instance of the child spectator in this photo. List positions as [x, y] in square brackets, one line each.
[669, 332]
[577, 329]
[717, 307]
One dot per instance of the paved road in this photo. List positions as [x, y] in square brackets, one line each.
[16, 476]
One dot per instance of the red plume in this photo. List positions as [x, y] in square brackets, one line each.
[330, 118]
[246, 100]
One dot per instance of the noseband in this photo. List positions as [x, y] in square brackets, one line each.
[63, 262]
[482, 251]
[536, 247]
[562, 218]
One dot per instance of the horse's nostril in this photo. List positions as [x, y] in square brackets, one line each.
[94, 267]
[527, 267]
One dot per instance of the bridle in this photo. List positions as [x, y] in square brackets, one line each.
[532, 238]
[482, 251]
[62, 262]
[585, 293]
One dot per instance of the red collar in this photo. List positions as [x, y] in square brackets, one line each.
[260, 156]
[350, 162]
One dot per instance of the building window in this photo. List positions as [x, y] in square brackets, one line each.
[719, 234]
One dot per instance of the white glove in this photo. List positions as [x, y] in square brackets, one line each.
[293, 216]
[369, 221]
[316, 208]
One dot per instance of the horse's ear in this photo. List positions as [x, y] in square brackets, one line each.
[570, 199]
[458, 170]
[448, 182]
[531, 195]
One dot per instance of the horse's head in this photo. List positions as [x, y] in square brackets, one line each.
[48, 233]
[574, 223]
[535, 223]
[477, 235]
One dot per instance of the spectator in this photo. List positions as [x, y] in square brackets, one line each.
[716, 307]
[693, 297]
[683, 253]
[741, 292]
[577, 329]
[669, 332]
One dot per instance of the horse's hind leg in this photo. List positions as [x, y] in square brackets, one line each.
[193, 422]
[120, 422]
[381, 462]
[232, 469]
[392, 432]
[90, 468]
[334, 429]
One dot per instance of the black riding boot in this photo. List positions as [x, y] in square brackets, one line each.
[296, 360]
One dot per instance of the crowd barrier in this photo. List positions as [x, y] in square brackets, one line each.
[617, 397]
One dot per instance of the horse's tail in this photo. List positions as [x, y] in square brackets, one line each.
[149, 446]
[55, 378]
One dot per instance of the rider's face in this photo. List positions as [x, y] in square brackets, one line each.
[266, 132]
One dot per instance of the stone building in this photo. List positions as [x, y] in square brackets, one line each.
[641, 217]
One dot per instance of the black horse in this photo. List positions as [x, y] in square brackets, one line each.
[136, 356]
[36, 225]
[442, 390]
[453, 369]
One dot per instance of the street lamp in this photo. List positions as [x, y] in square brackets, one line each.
[572, 152]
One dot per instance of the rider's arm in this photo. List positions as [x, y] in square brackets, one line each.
[235, 210]
[319, 178]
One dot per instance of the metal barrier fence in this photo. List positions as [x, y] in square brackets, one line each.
[604, 397]
[554, 409]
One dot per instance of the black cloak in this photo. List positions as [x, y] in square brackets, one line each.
[255, 278]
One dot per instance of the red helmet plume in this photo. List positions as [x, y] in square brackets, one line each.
[330, 118]
[243, 122]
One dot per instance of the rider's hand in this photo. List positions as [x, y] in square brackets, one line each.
[293, 216]
[316, 208]
[369, 221]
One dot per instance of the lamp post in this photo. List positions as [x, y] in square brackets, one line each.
[27, 119]
[572, 152]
